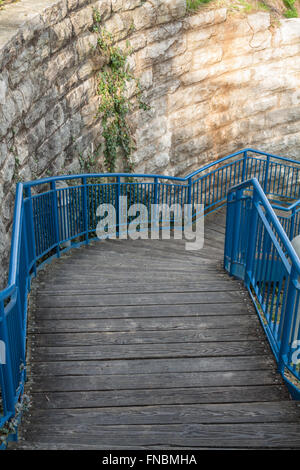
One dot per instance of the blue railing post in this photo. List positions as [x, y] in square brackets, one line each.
[117, 205]
[236, 228]
[24, 234]
[155, 198]
[250, 255]
[189, 201]
[31, 226]
[244, 165]
[266, 181]
[292, 227]
[155, 202]
[22, 331]
[85, 210]
[8, 391]
[228, 231]
[55, 216]
[288, 320]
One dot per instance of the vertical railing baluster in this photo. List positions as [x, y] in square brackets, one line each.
[8, 391]
[31, 227]
[117, 205]
[236, 228]
[265, 186]
[244, 165]
[155, 190]
[189, 197]
[288, 320]
[228, 231]
[55, 217]
[292, 226]
[85, 209]
[251, 248]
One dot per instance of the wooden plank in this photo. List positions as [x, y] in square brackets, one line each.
[48, 282]
[92, 300]
[28, 445]
[142, 311]
[259, 412]
[145, 337]
[135, 254]
[212, 234]
[111, 279]
[157, 253]
[152, 381]
[152, 366]
[135, 288]
[113, 276]
[171, 269]
[262, 435]
[161, 396]
[161, 350]
[145, 324]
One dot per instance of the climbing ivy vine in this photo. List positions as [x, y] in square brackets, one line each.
[114, 105]
[291, 10]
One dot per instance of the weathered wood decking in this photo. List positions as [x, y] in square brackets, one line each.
[143, 345]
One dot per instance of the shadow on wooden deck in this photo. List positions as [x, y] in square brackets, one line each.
[143, 345]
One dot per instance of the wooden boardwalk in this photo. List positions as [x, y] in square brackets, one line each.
[144, 345]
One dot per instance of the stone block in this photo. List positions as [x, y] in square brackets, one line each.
[162, 51]
[259, 21]
[58, 63]
[125, 5]
[288, 32]
[3, 90]
[54, 119]
[202, 58]
[3, 152]
[164, 32]
[154, 130]
[36, 136]
[72, 4]
[115, 25]
[261, 40]
[144, 17]
[205, 19]
[8, 168]
[281, 116]
[54, 13]
[263, 104]
[198, 38]
[82, 20]
[169, 10]
[60, 34]
[8, 114]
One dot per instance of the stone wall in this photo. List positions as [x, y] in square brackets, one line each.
[219, 84]
[215, 83]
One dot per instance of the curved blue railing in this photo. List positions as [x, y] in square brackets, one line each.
[259, 251]
[52, 215]
[289, 217]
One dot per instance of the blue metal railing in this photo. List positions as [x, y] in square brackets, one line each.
[259, 251]
[289, 217]
[50, 218]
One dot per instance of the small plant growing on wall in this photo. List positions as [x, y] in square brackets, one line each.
[291, 11]
[193, 5]
[114, 105]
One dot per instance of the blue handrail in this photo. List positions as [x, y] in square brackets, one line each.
[50, 219]
[263, 200]
[260, 253]
[151, 175]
